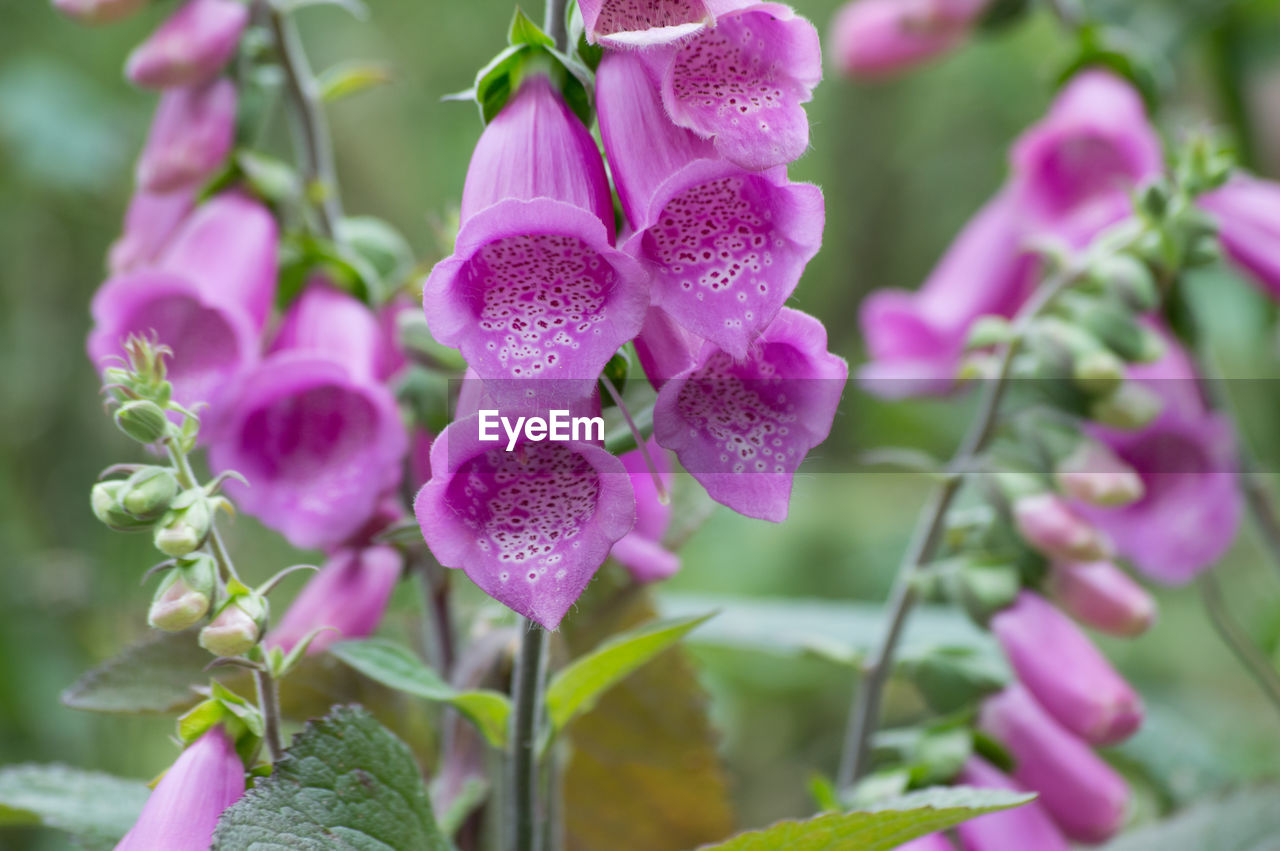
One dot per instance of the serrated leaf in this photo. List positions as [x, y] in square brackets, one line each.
[399, 668]
[579, 686]
[157, 675]
[351, 78]
[344, 783]
[1246, 820]
[96, 808]
[881, 828]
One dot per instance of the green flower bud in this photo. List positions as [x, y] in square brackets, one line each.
[148, 492]
[105, 499]
[1130, 279]
[143, 420]
[1098, 372]
[186, 526]
[237, 627]
[184, 596]
[1130, 406]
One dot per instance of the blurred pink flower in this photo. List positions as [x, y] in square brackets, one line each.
[191, 46]
[349, 594]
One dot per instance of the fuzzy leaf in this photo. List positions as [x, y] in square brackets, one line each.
[345, 783]
[97, 808]
[881, 828]
[156, 675]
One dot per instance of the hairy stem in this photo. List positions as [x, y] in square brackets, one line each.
[526, 696]
[269, 704]
[187, 479]
[1237, 640]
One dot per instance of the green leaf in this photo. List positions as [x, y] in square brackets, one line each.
[155, 676]
[351, 78]
[880, 828]
[579, 686]
[344, 782]
[272, 179]
[382, 247]
[399, 668]
[97, 808]
[525, 31]
[1245, 820]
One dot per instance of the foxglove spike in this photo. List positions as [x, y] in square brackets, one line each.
[640, 551]
[190, 136]
[643, 23]
[1021, 828]
[191, 46]
[530, 527]
[742, 428]
[725, 247]
[1247, 210]
[149, 224]
[349, 594]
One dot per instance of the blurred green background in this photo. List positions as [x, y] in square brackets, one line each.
[902, 163]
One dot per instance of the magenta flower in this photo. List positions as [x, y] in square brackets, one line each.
[878, 37]
[725, 247]
[1100, 595]
[642, 23]
[531, 526]
[640, 551]
[98, 11]
[535, 288]
[741, 83]
[1019, 829]
[1068, 676]
[741, 428]
[1191, 506]
[349, 594]
[916, 339]
[206, 297]
[664, 349]
[1247, 210]
[149, 225]
[191, 46]
[312, 427]
[1050, 525]
[182, 812]
[190, 137]
[1085, 796]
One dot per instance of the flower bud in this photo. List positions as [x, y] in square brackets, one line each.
[105, 499]
[1049, 525]
[191, 46]
[183, 597]
[186, 527]
[1022, 828]
[1100, 595]
[98, 11]
[1093, 474]
[1130, 406]
[237, 627]
[148, 492]
[1130, 279]
[143, 420]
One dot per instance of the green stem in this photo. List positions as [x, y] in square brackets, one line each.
[269, 705]
[554, 24]
[187, 479]
[1237, 640]
[526, 697]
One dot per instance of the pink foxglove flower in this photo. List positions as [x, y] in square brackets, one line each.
[530, 526]
[313, 427]
[640, 551]
[1050, 525]
[879, 37]
[184, 809]
[191, 46]
[349, 594]
[742, 83]
[1247, 210]
[1019, 829]
[190, 137]
[149, 225]
[741, 428]
[98, 11]
[1065, 672]
[1100, 595]
[643, 23]
[535, 288]
[725, 247]
[206, 297]
[1084, 796]
[664, 349]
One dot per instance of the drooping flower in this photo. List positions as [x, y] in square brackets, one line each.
[182, 812]
[349, 594]
[725, 246]
[534, 288]
[741, 428]
[98, 11]
[1102, 596]
[1065, 672]
[1018, 829]
[312, 427]
[879, 37]
[149, 225]
[640, 551]
[1247, 210]
[206, 297]
[742, 83]
[531, 526]
[190, 136]
[643, 23]
[191, 46]
[1084, 796]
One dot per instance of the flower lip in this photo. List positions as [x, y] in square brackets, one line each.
[643, 23]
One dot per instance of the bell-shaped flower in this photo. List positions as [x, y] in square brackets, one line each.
[640, 551]
[98, 11]
[313, 428]
[725, 247]
[182, 812]
[1065, 672]
[871, 38]
[206, 297]
[1100, 595]
[535, 288]
[1085, 797]
[741, 428]
[190, 137]
[150, 223]
[1191, 506]
[349, 596]
[643, 23]
[1018, 829]
[1247, 210]
[742, 83]
[530, 526]
[916, 339]
[191, 46]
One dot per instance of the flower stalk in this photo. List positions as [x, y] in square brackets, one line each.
[526, 698]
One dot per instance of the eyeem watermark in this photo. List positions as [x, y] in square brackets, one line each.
[558, 426]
